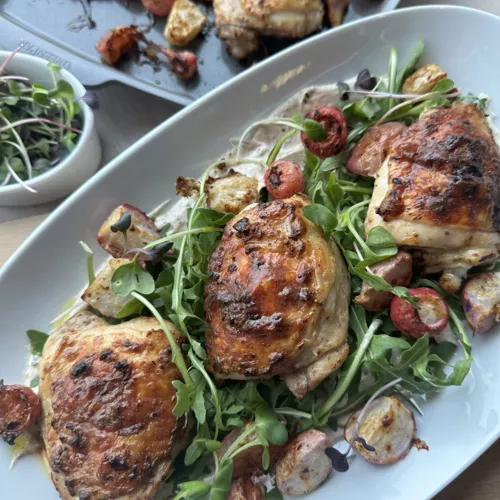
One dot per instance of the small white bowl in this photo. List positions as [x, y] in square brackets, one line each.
[78, 166]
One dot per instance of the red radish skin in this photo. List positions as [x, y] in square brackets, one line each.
[184, 63]
[431, 318]
[19, 408]
[283, 179]
[117, 42]
[160, 8]
[333, 121]
[141, 232]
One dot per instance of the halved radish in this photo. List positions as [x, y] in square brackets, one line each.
[430, 316]
[333, 121]
[386, 432]
[19, 408]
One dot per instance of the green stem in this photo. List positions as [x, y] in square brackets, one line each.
[392, 74]
[277, 147]
[199, 366]
[343, 385]
[182, 234]
[90, 262]
[356, 189]
[251, 429]
[354, 232]
[20, 146]
[177, 356]
[256, 442]
[293, 413]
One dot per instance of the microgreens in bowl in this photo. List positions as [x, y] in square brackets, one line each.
[39, 126]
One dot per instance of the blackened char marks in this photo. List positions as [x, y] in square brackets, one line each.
[445, 170]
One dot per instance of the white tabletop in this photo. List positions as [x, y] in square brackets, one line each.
[126, 114]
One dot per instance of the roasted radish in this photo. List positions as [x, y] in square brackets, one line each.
[99, 294]
[19, 408]
[184, 63]
[424, 79]
[160, 8]
[397, 271]
[386, 432]
[481, 301]
[127, 228]
[370, 151]
[334, 124]
[244, 488]
[304, 464]
[284, 179]
[117, 42]
[248, 462]
[430, 315]
[231, 194]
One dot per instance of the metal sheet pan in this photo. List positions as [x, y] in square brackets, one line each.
[58, 30]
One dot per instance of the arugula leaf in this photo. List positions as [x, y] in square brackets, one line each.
[37, 340]
[381, 242]
[443, 86]
[200, 412]
[333, 162]
[410, 66]
[321, 216]
[35, 382]
[132, 307]
[192, 489]
[415, 353]
[130, 278]
[274, 494]
[298, 118]
[222, 481]
[383, 344]
[185, 398]
[269, 427]
[314, 130]
[479, 102]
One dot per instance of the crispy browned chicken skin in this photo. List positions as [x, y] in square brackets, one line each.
[107, 400]
[439, 190]
[277, 299]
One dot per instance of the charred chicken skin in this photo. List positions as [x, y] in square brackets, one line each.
[107, 400]
[277, 300]
[439, 191]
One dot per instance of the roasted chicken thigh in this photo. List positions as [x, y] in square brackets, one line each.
[277, 301]
[107, 400]
[439, 191]
[242, 22]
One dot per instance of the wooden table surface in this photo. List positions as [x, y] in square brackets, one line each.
[127, 114]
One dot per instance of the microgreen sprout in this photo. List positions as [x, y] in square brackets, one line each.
[297, 123]
[365, 81]
[155, 254]
[122, 224]
[90, 262]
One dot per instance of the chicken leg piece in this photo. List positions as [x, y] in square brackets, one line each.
[107, 401]
[438, 191]
[277, 301]
[241, 22]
